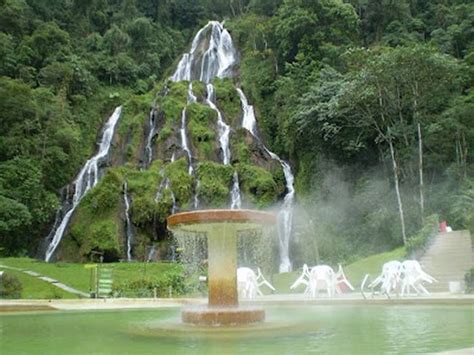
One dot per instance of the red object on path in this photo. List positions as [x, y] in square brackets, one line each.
[442, 226]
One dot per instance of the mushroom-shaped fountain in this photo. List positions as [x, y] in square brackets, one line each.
[221, 228]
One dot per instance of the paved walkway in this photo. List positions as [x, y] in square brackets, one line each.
[49, 280]
[281, 299]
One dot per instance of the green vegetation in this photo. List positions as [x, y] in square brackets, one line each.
[180, 181]
[469, 280]
[215, 181]
[29, 287]
[370, 101]
[96, 224]
[171, 282]
[201, 127]
[10, 286]
[258, 185]
[148, 275]
[417, 243]
[228, 101]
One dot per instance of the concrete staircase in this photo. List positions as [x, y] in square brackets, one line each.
[448, 258]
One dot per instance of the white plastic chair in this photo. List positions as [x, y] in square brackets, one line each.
[248, 283]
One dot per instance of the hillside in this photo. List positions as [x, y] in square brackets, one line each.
[352, 117]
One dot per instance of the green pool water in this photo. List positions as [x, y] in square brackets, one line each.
[288, 330]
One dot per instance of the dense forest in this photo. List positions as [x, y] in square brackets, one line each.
[370, 101]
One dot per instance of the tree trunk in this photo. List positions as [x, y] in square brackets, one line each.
[420, 169]
[397, 188]
[420, 151]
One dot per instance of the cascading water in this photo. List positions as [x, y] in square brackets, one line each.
[248, 122]
[222, 128]
[184, 141]
[151, 133]
[196, 195]
[217, 60]
[192, 99]
[205, 64]
[152, 128]
[87, 179]
[165, 185]
[236, 201]
[128, 222]
[285, 218]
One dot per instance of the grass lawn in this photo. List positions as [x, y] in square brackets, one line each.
[34, 288]
[355, 272]
[77, 275]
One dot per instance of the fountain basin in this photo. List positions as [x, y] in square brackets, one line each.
[216, 316]
[296, 328]
[221, 228]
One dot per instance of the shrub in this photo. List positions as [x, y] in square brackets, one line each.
[418, 243]
[469, 280]
[10, 286]
[174, 281]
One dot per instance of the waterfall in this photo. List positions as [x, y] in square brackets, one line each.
[151, 133]
[222, 128]
[236, 202]
[191, 97]
[217, 60]
[285, 217]
[151, 253]
[87, 179]
[165, 184]
[128, 222]
[184, 141]
[196, 195]
[249, 122]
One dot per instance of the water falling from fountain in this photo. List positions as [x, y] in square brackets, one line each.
[87, 179]
[285, 218]
[128, 222]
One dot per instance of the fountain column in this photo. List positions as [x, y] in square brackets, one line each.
[222, 263]
[221, 228]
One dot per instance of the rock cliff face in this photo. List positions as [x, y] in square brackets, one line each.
[183, 146]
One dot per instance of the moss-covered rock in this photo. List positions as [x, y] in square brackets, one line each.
[202, 132]
[180, 181]
[228, 101]
[96, 224]
[240, 148]
[258, 185]
[129, 134]
[170, 106]
[214, 183]
[143, 183]
[199, 90]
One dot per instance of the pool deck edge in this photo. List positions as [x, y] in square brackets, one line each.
[23, 305]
